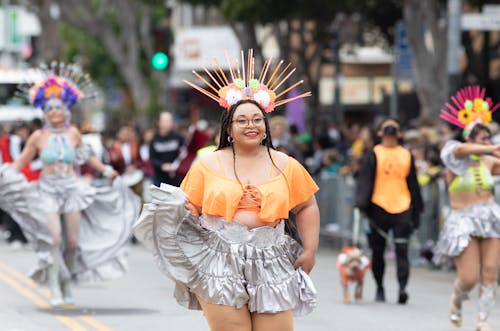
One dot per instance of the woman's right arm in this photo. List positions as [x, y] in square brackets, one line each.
[29, 151]
[466, 149]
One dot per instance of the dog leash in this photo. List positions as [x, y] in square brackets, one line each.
[386, 236]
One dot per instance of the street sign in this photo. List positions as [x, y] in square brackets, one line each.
[403, 53]
[489, 21]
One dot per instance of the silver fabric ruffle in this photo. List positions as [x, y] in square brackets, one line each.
[65, 193]
[481, 220]
[223, 263]
[105, 228]
[458, 166]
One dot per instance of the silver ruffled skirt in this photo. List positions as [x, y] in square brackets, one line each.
[480, 220]
[221, 262]
[104, 234]
[65, 193]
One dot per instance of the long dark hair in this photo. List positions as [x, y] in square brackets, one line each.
[226, 121]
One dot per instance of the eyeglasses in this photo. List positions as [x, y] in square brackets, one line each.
[243, 122]
[53, 107]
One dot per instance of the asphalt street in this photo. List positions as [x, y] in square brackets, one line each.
[143, 300]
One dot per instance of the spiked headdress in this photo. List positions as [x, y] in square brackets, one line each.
[244, 85]
[469, 107]
[63, 81]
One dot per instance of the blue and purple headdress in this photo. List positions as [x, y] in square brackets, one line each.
[64, 82]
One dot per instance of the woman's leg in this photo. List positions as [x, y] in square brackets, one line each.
[53, 270]
[467, 264]
[282, 321]
[226, 318]
[72, 223]
[490, 261]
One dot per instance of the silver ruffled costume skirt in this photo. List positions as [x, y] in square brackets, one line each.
[221, 262]
[105, 227]
[480, 220]
[65, 193]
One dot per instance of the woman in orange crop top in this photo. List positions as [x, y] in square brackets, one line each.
[221, 236]
[471, 233]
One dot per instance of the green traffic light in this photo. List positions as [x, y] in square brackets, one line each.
[159, 61]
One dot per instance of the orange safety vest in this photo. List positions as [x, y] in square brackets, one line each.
[390, 190]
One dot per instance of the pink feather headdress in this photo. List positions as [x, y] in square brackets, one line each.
[469, 106]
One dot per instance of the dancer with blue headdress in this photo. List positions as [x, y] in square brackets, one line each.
[79, 231]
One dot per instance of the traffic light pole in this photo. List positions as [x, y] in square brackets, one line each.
[454, 32]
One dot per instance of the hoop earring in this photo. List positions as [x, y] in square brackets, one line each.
[230, 139]
[264, 137]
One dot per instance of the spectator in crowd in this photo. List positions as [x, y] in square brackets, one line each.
[388, 193]
[125, 158]
[280, 131]
[164, 149]
[331, 162]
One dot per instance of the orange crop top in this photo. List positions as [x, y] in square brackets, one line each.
[272, 200]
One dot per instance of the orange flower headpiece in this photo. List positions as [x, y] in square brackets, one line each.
[245, 86]
[469, 107]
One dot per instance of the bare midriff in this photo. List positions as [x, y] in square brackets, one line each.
[251, 219]
[460, 200]
[55, 168]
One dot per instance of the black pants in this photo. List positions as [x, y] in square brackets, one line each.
[400, 224]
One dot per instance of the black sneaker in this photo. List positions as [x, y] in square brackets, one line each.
[380, 296]
[403, 297]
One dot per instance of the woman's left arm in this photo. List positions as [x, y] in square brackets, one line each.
[307, 218]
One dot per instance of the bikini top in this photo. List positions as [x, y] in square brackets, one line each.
[474, 179]
[58, 150]
[218, 195]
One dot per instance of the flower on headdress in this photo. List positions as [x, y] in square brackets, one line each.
[469, 106]
[54, 87]
[265, 98]
[465, 116]
[484, 116]
[229, 95]
[479, 105]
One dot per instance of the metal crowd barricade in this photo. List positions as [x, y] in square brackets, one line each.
[336, 198]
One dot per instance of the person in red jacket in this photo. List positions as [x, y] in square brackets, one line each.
[125, 158]
[11, 146]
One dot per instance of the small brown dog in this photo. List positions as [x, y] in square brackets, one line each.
[352, 265]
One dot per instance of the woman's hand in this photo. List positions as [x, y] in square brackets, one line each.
[110, 172]
[113, 175]
[495, 150]
[192, 209]
[306, 260]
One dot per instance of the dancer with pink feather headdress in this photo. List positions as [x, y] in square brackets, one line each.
[471, 233]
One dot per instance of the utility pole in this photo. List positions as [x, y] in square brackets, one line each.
[454, 32]
[335, 46]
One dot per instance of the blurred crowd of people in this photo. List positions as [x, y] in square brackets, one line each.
[163, 152]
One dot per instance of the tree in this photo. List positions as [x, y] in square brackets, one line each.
[427, 33]
[301, 28]
[124, 31]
